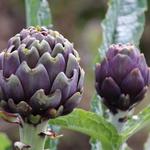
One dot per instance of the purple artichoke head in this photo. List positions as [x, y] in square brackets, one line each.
[122, 77]
[40, 74]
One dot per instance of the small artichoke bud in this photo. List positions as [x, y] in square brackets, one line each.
[122, 77]
[40, 74]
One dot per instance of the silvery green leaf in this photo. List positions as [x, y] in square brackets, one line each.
[93, 125]
[38, 13]
[136, 122]
[123, 23]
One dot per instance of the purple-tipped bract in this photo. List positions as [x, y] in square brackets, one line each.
[122, 77]
[40, 74]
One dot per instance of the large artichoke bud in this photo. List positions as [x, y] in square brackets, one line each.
[40, 74]
[122, 78]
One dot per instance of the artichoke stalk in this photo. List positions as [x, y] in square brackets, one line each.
[40, 79]
[122, 79]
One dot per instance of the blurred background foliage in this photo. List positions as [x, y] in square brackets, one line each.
[79, 21]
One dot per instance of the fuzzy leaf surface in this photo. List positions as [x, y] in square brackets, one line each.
[91, 124]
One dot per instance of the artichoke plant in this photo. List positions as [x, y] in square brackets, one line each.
[122, 77]
[40, 78]
[40, 74]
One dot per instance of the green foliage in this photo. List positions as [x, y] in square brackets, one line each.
[91, 124]
[4, 142]
[97, 106]
[98, 128]
[38, 13]
[123, 23]
[95, 144]
[136, 123]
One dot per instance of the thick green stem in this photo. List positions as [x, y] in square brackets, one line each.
[30, 135]
[119, 121]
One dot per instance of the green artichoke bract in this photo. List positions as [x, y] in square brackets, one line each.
[122, 77]
[40, 74]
